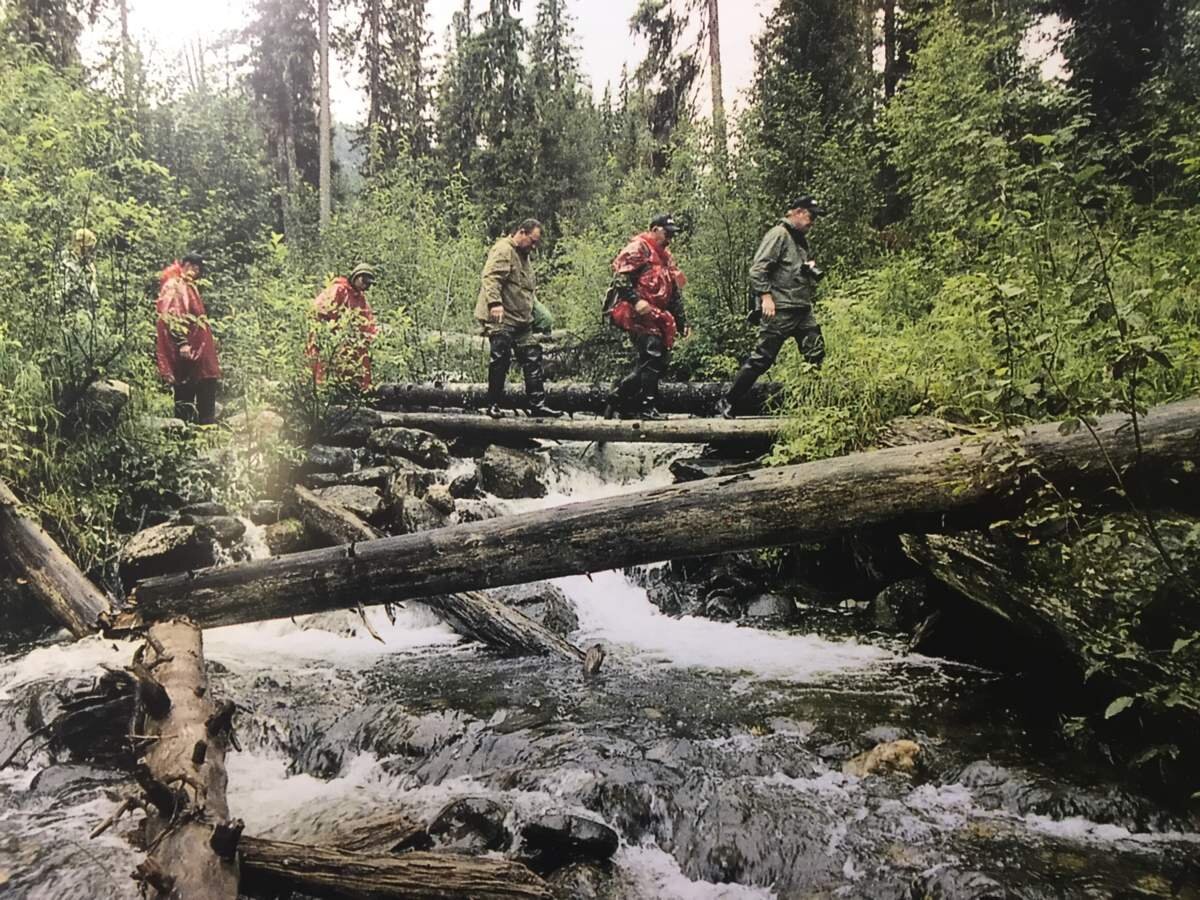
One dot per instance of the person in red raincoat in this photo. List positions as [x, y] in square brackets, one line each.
[649, 306]
[344, 305]
[185, 348]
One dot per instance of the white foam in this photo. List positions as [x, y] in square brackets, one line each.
[66, 660]
[654, 873]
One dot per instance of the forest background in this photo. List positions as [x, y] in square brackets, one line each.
[1000, 247]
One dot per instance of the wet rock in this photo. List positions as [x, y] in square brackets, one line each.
[722, 606]
[373, 477]
[471, 825]
[581, 881]
[322, 458]
[438, 496]
[900, 757]
[510, 473]
[165, 424]
[414, 514]
[287, 536]
[264, 512]
[412, 444]
[71, 777]
[695, 468]
[342, 622]
[205, 509]
[543, 602]
[225, 530]
[163, 549]
[364, 502]
[770, 608]
[350, 427]
[465, 487]
[103, 402]
[473, 511]
[555, 839]
[468, 448]
[953, 883]
[899, 607]
[407, 479]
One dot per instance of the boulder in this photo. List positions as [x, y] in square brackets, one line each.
[465, 487]
[553, 840]
[350, 426]
[695, 468]
[225, 530]
[901, 757]
[407, 479]
[901, 606]
[163, 549]
[322, 458]
[510, 473]
[470, 825]
[472, 511]
[103, 402]
[366, 503]
[413, 514]
[543, 602]
[413, 444]
[438, 496]
[264, 512]
[287, 536]
[372, 477]
[770, 608]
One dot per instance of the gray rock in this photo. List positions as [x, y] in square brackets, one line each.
[543, 602]
[554, 839]
[695, 468]
[471, 825]
[473, 511]
[104, 401]
[413, 514]
[322, 458]
[346, 427]
[582, 881]
[366, 503]
[287, 536]
[438, 496]
[225, 530]
[900, 606]
[410, 443]
[163, 549]
[374, 476]
[407, 479]
[204, 508]
[770, 607]
[511, 473]
[164, 423]
[264, 512]
[465, 487]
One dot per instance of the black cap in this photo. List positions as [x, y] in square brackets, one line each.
[806, 201]
[193, 258]
[667, 221]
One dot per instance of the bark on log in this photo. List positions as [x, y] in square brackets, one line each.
[689, 431]
[54, 579]
[696, 398]
[271, 866]
[331, 520]
[183, 774]
[921, 488]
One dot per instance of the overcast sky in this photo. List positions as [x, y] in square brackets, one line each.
[602, 28]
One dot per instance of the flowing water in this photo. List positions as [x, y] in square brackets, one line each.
[715, 751]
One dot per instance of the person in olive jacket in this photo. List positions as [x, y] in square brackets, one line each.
[783, 282]
[507, 295]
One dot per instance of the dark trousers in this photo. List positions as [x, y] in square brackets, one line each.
[773, 333]
[196, 401]
[505, 342]
[639, 389]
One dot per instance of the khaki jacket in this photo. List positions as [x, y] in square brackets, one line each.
[508, 279]
[778, 269]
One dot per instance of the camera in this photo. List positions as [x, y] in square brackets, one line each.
[810, 270]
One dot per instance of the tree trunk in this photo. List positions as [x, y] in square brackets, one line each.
[696, 398]
[183, 770]
[270, 867]
[889, 49]
[718, 95]
[326, 127]
[920, 488]
[685, 430]
[54, 579]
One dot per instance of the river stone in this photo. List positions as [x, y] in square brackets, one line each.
[438, 496]
[407, 479]
[901, 757]
[470, 825]
[411, 443]
[264, 512]
[582, 881]
[103, 402]
[372, 477]
[225, 530]
[413, 514]
[472, 511]
[899, 607]
[163, 549]
[509, 473]
[322, 458]
[770, 608]
[543, 602]
[364, 502]
[554, 839]
[350, 427]
[204, 508]
[287, 536]
[465, 486]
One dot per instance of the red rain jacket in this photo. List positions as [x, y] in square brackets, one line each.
[655, 278]
[353, 356]
[185, 348]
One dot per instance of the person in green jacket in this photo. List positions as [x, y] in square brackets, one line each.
[783, 282]
[505, 310]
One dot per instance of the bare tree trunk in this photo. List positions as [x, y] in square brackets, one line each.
[326, 136]
[126, 53]
[718, 93]
[889, 49]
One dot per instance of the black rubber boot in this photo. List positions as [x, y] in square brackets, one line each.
[498, 363]
[741, 386]
[535, 388]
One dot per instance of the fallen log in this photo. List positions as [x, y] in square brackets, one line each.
[689, 431]
[334, 522]
[270, 867]
[55, 580]
[920, 488]
[191, 842]
[695, 398]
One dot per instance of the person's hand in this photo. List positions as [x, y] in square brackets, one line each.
[687, 331]
[768, 306]
[641, 307]
[496, 314]
[186, 352]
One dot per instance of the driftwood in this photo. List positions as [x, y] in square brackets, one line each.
[331, 520]
[191, 843]
[695, 398]
[269, 867]
[760, 430]
[921, 488]
[54, 579]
